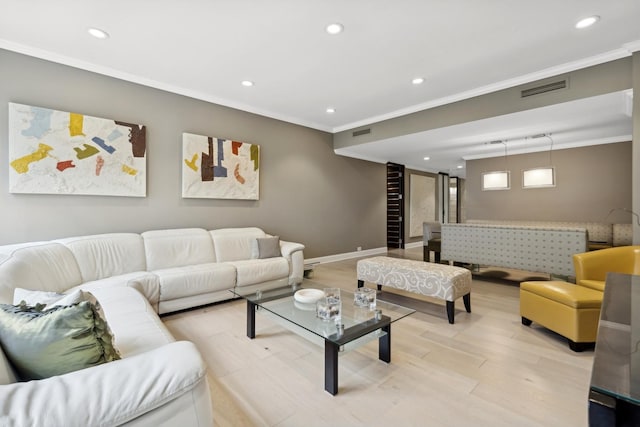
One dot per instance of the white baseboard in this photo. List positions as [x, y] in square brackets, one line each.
[345, 256]
[357, 254]
[413, 245]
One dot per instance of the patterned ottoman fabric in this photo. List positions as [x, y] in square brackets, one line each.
[435, 280]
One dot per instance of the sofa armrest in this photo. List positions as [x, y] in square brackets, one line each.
[108, 394]
[293, 252]
[289, 248]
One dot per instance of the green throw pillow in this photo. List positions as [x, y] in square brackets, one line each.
[40, 344]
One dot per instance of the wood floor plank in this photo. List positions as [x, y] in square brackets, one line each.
[487, 369]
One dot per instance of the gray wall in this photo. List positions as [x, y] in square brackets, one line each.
[330, 203]
[590, 181]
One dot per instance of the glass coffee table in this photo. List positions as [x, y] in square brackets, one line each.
[356, 326]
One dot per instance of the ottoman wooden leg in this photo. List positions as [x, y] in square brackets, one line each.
[467, 302]
[360, 283]
[451, 308]
[526, 322]
[379, 287]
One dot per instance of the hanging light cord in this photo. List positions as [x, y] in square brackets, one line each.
[550, 150]
[505, 154]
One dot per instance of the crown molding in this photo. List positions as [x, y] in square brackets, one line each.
[111, 72]
[633, 46]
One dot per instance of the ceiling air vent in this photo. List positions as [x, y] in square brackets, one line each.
[361, 132]
[548, 87]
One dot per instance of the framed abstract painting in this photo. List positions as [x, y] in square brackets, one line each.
[58, 152]
[216, 168]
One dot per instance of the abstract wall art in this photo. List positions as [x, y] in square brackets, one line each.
[216, 168]
[58, 152]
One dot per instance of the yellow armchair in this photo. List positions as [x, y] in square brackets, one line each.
[573, 311]
[592, 267]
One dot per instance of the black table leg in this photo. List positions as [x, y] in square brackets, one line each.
[384, 345]
[251, 319]
[331, 367]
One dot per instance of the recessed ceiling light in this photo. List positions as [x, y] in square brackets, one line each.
[331, 110]
[460, 167]
[427, 158]
[98, 33]
[247, 83]
[587, 22]
[418, 80]
[335, 28]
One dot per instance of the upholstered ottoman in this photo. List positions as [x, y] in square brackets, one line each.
[570, 310]
[434, 280]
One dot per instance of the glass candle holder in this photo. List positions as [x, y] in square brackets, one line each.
[332, 294]
[328, 309]
[365, 297]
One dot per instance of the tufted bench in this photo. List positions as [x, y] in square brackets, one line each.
[434, 280]
[570, 310]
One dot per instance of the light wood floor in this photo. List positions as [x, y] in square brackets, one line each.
[485, 370]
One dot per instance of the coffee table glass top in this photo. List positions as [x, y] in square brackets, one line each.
[281, 302]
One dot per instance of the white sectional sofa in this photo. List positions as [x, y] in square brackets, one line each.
[174, 269]
[135, 277]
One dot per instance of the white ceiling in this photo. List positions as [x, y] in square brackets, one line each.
[463, 48]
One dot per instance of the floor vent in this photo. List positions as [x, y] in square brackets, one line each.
[549, 87]
[361, 132]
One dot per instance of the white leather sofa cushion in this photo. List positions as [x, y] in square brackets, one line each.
[135, 325]
[184, 303]
[177, 248]
[192, 408]
[7, 250]
[107, 255]
[47, 267]
[195, 279]
[233, 244]
[114, 393]
[255, 271]
[148, 284]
